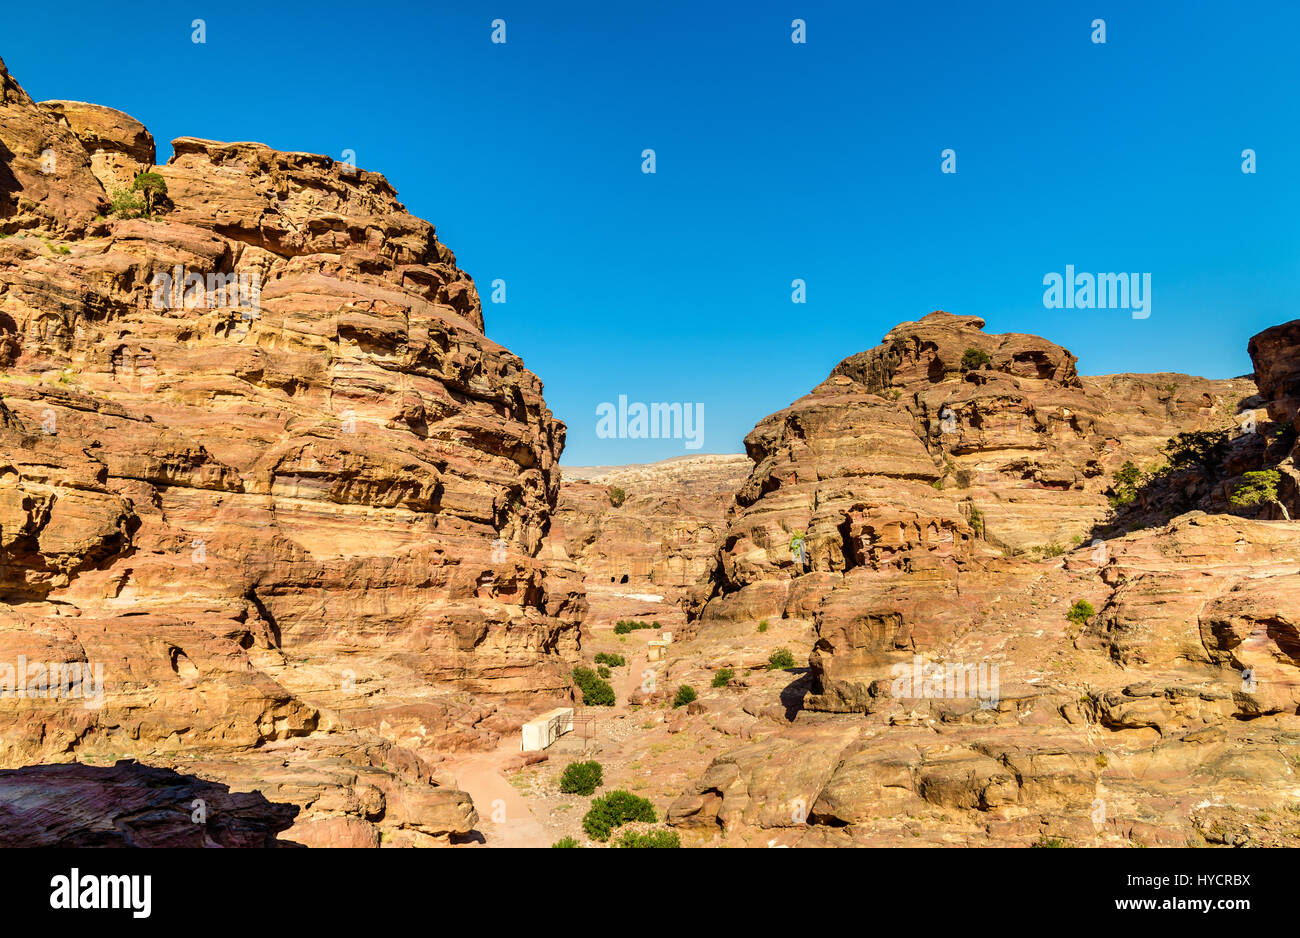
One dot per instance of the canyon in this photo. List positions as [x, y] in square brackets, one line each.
[329, 562]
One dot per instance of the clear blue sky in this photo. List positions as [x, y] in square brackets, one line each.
[776, 161]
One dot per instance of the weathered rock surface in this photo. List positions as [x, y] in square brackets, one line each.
[951, 517]
[301, 519]
[1276, 355]
[647, 556]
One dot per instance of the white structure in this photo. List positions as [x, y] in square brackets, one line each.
[655, 650]
[546, 729]
[667, 637]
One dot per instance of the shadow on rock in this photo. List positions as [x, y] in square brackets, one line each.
[793, 693]
[132, 805]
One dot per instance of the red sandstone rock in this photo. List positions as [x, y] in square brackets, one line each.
[270, 524]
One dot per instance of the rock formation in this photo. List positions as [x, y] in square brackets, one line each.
[282, 532]
[953, 507]
[646, 538]
[259, 461]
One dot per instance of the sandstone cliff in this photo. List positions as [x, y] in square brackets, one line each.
[296, 519]
[934, 515]
[646, 538]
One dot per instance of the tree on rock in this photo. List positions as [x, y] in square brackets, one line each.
[1259, 488]
[154, 189]
[974, 359]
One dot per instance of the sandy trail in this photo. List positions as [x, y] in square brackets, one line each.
[504, 817]
[637, 662]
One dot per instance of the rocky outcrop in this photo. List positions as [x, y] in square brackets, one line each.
[645, 538]
[1276, 356]
[995, 661]
[903, 461]
[1275, 353]
[259, 461]
[119, 145]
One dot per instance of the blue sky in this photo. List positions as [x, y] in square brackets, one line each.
[775, 161]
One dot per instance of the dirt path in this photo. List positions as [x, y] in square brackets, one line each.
[504, 818]
[637, 662]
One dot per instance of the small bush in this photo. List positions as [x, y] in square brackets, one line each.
[685, 694]
[780, 660]
[614, 809]
[623, 626]
[153, 189]
[616, 496]
[613, 660]
[1081, 612]
[126, 205]
[1053, 550]
[722, 677]
[565, 842]
[977, 521]
[603, 671]
[581, 778]
[974, 359]
[1124, 484]
[595, 692]
[649, 839]
[762, 626]
[1256, 487]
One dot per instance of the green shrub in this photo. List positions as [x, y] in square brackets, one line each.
[126, 205]
[685, 694]
[977, 521]
[780, 660]
[613, 660]
[566, 842]
[603, 671]
[1053, 550]
[974, 359]
[623, 626]
[722, 677]
[581, 778]
[1257, 487]
[616, 496]
[616, 808]
[649, 839]
[595, 692]
[762, 626]
[1081, 612]
[1124, 484]
[153, 188]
